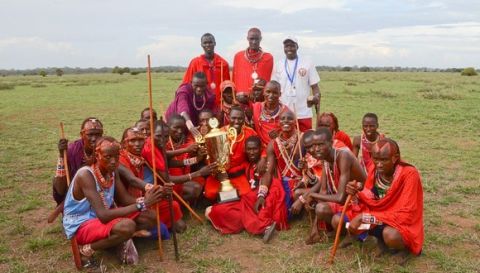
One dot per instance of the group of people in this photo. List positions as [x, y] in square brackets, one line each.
[281, 164]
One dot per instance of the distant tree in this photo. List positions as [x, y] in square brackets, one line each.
[364, 69]
[469, 71]
[134, 73]
[346, 68]
[126, 70]
[59, 72]
[116, 69]
[42, 73]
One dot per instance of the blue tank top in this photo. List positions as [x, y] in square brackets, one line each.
[76, 212]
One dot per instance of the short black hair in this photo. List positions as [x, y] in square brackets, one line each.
[370, 115]
[236, 108]
[307, 134]
[324, 131]
[175, 117]
[254, 139]
[200, 75]
[148, 109]
[207, 35]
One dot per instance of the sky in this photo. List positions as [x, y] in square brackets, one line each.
[99, 33]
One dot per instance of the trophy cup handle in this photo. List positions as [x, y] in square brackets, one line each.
[232, 134]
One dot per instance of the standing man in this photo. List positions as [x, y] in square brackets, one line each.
[299, 80]
[250, 65]
[215, 67]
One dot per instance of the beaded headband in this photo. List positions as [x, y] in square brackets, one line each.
[92, 124]
[106, 144]
[137, 133]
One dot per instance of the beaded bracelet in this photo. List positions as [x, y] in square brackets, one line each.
[190, 161]
[60, 171]
[370, 219]
[302, 199]
[148, 186]
[141, 201]
[262, 191]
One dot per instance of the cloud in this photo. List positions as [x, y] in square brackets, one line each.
[36, 43]
[284, 6]
[171, 50]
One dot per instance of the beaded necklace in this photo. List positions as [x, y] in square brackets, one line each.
[272, 115]
[287, 150]
[104, 184]
[195, 103]
[382, 185]
[136, 161]
[331, 188]
[253, 58]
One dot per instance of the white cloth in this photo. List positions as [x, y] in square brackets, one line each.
[297, 93]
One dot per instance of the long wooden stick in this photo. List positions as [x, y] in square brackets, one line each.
[152, 143]
[179, 198]
[300, 158]
[339, 229]
[73, 241]
[170, 206]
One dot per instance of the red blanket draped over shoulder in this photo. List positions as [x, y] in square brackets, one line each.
[176, 171]
[343, 137]
[402, 205]
[243, 69]
[213, 71]
[234, 217]
[262, 125]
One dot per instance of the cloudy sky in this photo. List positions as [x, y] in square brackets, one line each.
[97, 33]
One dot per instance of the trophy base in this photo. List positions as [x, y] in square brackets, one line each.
[228, 196]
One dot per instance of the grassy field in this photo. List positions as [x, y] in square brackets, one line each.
[435, 118]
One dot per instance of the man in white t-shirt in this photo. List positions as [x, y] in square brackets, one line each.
[299, 80]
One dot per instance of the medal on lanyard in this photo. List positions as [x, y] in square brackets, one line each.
[291, 78]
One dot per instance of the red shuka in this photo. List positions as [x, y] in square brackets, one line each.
[365, 155]
[234, 217]
[136, 170]
[243, 69]
[213, 72]
[163, 212]
[402, 205]
[176, 171]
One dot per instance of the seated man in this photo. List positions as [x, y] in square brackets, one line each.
[283, 157]
[339, 167]
[89, 212]
[259, 211]
[266, 115]
[362, 145]
[182, 148]
[79, 153]
[391, 202]
[330, 121]
[132, 169]
[238, 158]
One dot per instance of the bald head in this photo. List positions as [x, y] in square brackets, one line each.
[254, 37]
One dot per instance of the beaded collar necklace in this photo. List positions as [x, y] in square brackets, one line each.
[101, 179]
[268, 114]
[253, 57]
[195, 103]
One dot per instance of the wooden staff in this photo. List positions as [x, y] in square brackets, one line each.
[73, 241]
[170, 206]
[179, 198]
[154, 169]
[339, 229]
[300, 158]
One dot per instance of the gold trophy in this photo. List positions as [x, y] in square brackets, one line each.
[219, 149]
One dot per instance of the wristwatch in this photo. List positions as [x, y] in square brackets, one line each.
[138, 206]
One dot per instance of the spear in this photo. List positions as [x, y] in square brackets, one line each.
[154, 169]
[339, 229]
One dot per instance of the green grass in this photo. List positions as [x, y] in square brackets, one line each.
[435, 117]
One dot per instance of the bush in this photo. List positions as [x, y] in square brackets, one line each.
[469, 71]
[42, 73]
